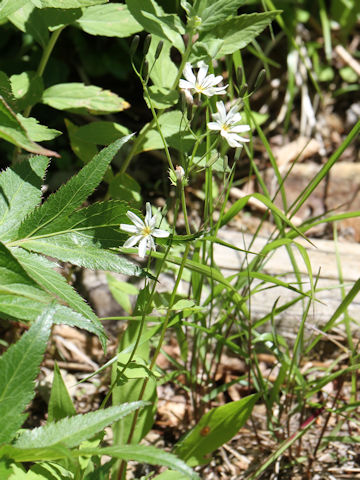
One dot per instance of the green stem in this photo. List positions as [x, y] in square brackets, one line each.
[44, 60]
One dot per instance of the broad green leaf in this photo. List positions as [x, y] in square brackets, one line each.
[82, 149]
[80, 98]
[66, 3]
[19, 367]
[70, 432]
[161, 97]
[164, 71]
[217, 11]
[152, 17]
[100, 133]
[214, 429]
[71, 195]
[121, 292]
[29, 19]
[41, 270]
[7, 7]
[68, 249]
[27, 88]
[238, 32]
[173, 127]
[124, 187]
[36, 131]
[60, 403]
[12, 130]
[55, 18]
[23, 180]
[7, 468]
[145, 454]
[112, 20]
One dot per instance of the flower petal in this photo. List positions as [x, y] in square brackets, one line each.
[160, 233]
[148, 215]
[142, 247]
[202, 74]
[214, 126]
[221, 111]
[239, 128]
[184, 84]
[189, 74]
[132, 241]
[128, 228]
[135, 219]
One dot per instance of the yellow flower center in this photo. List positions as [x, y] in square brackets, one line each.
[146, 231]
[199, 88]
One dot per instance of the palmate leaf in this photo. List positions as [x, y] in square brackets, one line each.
[70, 432]
[22, 181]
[71, 195]
[19, 367]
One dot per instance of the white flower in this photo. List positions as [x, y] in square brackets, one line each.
[203, 83]
[144, 231]
[226, 124]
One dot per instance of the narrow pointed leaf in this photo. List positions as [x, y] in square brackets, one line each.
[73, 193]
[60, 403]
[19, 367]
[23, 180]
[145, 454]
[70, 432]
[66, 3]
[214, 429]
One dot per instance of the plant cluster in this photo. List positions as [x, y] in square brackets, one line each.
[197, 126]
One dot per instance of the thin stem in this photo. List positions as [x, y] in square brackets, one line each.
[44, 60]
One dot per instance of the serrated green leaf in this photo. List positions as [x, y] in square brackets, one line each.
[218, 11]
[146, 454]
[41, 270]
[112, 20]
[5, 90]
[19, 367]
[27, 88]
[70, 432]
[60, 403]
[23, 180]
[7, 7]
[80, 98]
[170, 475]
[70, 248]
[214, 429]
[12, 130]
[238, 32]
[71, 195]
[66, 3]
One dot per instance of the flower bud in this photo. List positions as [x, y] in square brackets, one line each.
[159, 49]
[146, 44]
[134, 45]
